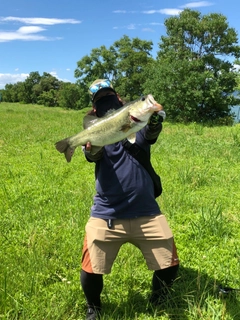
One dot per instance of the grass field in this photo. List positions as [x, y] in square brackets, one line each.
[45, 203]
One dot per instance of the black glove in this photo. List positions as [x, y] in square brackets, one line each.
[154, 126]
[156, 118]
[92, 153]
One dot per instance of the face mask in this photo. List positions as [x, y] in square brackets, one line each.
[107, 103]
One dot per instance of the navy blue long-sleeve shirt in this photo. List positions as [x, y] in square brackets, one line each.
[124, 189]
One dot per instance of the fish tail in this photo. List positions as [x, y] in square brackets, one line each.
[63, 146]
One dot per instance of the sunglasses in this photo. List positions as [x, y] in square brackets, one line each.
[104, 84]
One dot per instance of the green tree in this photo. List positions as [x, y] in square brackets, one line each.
[13, 92]
[32, 80]
[7, 92]
[48, 98]
[192, 77]
[46, 90]
[20, 90]
[72, 96]
[49, 82]
[123, 63]
[132, 57]
[100, 64]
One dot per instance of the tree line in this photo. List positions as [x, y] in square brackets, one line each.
[44, 90]
[191, 76]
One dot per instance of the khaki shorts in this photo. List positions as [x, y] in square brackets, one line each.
[151, 235]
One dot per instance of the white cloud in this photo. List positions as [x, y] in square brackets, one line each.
[43, 21]
[134, 26]
[151, 11]
[124, 11]
[197, 4]
[131, 26]
[24, 34]
[120, 11]
[54, 74]
[156, 24]
[148, 30]
[6, 78]
[166, 11]
[236, 67]
[30, 29]
[28, 33]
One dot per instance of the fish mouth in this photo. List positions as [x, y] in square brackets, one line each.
[135, 119]
[156, 105]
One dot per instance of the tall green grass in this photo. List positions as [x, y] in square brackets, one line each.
[45, 203]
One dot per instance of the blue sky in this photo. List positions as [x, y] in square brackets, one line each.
[51, 36]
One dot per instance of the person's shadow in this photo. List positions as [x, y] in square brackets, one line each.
[191, 296]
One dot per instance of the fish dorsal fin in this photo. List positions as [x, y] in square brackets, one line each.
[89, 120]
[109, 112]
[132, 138]
[92, 118]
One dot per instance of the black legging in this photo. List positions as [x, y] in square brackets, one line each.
[92, 284]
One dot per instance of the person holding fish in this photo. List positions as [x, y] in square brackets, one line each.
[124, 208]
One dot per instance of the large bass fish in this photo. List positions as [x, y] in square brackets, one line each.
[113, 127]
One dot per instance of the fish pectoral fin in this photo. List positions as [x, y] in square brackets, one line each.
[125, 127]
[132, 138]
